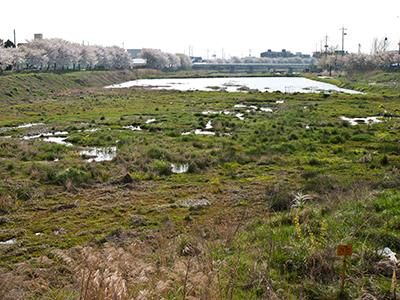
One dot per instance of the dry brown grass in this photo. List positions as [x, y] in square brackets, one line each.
[99, 273]
[158, 267]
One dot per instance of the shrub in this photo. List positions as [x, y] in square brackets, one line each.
[315, 162]
[385, 160]
[160, 167]
[73, 175]
[279, 196]
[157, 153]
[322, 184]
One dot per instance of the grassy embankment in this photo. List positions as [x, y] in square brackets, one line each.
[72, 218]
[386, 84]
[27, 85]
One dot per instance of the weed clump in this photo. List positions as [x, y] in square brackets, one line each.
[160, 167]
[278, 196]
[76, 176]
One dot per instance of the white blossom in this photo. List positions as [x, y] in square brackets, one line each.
[59, 54]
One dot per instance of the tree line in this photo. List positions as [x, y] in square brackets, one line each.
[383, 60]
[59, 54]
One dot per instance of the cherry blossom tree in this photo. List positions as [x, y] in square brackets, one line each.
[360, 62]
[185, 61]
[88, 57]
[155, 58]
[6, 59]
[174, 63]
[35, 58]
[59, 54]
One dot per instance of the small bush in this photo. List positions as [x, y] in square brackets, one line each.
[385, 161]
[157, 153]
[73, 175]
[315, 162]
[160, 167]
[279, 196]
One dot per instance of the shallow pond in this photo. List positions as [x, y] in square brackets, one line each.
[133, 128]
[99, 154]
[8, 242]
[179, 169]
[366, 120]
[235, 84]
[58, 140]
[58, 137]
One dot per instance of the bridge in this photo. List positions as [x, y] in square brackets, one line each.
[251, 67]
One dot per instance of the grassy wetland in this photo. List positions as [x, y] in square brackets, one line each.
[253, 208]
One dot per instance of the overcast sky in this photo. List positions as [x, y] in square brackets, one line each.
[233, 25]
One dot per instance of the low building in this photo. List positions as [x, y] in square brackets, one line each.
[134, 53]
[196, 59]
[284, 53]
[139, 62]
[38, 36]
[273, 54]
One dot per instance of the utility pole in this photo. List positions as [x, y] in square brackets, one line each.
[399, 47]
[359, 48]
[15, 39]
[343, 34]
[326, 45]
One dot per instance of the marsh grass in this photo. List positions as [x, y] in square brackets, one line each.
[251, 242]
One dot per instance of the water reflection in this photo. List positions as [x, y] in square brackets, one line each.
[97, 154]
[236, 84]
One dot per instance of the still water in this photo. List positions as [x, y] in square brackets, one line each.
[235, 84]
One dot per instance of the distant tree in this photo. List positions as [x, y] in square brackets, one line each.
[120, 58]
[6, 59]
[155, 58]
[9, 44]
[35, 58]
[18, 58]
[174, 63]
[88, 57]
[235, 60]
[185, 61]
